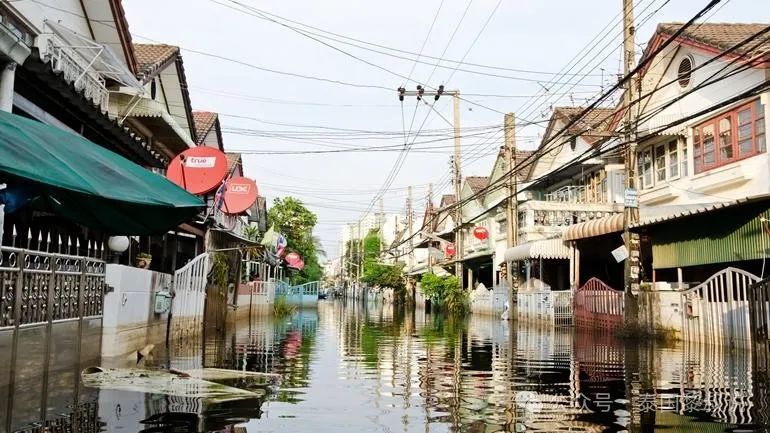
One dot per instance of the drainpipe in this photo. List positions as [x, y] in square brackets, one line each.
[7, 77]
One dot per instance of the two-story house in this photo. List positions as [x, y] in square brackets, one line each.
[702, 118]
[569, 181]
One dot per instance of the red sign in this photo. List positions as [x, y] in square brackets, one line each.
[450, 249]
[198, 169]
[480, 233]
[293, 258]
[240, 194]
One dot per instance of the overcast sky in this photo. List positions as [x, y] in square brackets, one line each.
[264, 111]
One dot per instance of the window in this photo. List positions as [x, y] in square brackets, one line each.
[730, 137]
[645, 163]
[683, 169]
[660, 163]
[673, 159]
[684, 73]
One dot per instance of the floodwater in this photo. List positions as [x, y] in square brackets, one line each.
[373, 368]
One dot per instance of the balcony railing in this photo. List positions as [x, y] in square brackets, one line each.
[575, 194]
[77, 71]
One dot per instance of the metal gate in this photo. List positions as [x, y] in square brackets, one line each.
[717, 311]
[598, 306]
[189, 297]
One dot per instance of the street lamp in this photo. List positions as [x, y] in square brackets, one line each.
[118, 245]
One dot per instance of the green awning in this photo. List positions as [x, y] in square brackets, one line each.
[729, 234]
[87, 183]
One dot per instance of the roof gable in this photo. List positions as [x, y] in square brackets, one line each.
[153, 58]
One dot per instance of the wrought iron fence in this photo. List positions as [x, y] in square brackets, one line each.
[39, 287]
[546, 305]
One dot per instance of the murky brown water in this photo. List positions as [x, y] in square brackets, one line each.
[369, 368]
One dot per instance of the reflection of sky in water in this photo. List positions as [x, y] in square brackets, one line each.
[360, 369]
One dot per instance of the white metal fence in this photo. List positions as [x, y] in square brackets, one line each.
[717, 311]
[546, 305]
[189, 296]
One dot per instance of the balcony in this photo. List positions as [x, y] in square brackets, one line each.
[543, 219]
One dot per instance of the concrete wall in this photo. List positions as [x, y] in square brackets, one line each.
[661, 309]
[488, 302]
[129, 319]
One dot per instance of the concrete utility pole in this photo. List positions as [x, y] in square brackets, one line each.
[458, 185]
[631, 205]
[409, 227]
[429, 224]
[359, 255]
[512, 205]
[456, 160]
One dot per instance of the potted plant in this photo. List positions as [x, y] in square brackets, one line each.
[143, 260]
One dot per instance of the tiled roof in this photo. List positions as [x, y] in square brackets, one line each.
[477, 183]
[204, 121]
[150, 57]
[233, 159]
[447, 200]
[592, 126]
[720, 36]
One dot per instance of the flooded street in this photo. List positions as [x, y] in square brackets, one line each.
[367, 368]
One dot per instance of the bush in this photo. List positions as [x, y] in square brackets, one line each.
[445, 292]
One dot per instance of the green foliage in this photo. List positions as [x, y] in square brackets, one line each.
[251, 233]
[282, 308]
[220, 269]
[445, 292]
[290, 217]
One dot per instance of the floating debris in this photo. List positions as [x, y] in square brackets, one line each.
[164, 382]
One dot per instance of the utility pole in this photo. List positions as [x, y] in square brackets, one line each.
[458, 185]
[359, 255]
[631, 205]
[409, 227]
[456, 160]
[429, 224]
[512, 206]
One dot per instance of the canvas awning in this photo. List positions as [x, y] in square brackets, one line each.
[154, 115]
[595, 227]
[68, 175]
[647, 215]
[544, 249]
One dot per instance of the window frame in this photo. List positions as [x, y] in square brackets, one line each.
[652, 151]
[732, 116]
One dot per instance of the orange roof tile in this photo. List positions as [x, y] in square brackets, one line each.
[150, 57]
[204, 121]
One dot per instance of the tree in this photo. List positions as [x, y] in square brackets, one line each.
[381, 274]
[291, 218]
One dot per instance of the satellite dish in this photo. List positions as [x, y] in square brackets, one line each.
[240, 194]
[198, 169]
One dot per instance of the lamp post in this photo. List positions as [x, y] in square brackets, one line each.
[118, 245]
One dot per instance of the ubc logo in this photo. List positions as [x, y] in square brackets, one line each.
[239, 189]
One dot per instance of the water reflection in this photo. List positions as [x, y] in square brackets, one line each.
[372, 367]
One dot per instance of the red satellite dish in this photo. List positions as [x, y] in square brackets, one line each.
[240, 194]
[293, 258]
[450, 249]
[298, 265]
[480, 233]
[198, 169]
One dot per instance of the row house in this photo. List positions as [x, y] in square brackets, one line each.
[702, 183]
[701, 140]
[569, 180]
[74, 173]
